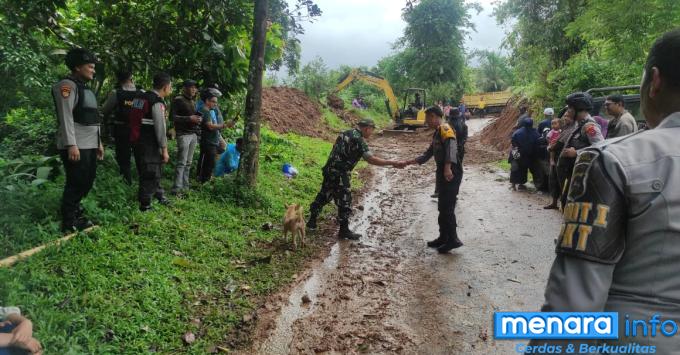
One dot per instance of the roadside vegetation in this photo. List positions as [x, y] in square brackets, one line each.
[140, 281]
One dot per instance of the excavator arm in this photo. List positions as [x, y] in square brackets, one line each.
[375, 80]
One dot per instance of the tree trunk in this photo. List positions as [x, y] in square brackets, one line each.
[251, 135]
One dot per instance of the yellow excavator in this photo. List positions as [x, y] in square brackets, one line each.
[410, 117]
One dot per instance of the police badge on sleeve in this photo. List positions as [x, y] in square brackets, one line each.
[65, 91]
[580, 176]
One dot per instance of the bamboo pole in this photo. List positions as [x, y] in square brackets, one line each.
[7, 262]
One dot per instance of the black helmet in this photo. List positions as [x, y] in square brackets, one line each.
[79, 56]
[580, 101]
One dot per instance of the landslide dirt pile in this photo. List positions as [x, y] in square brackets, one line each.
[335, 102]
[290, 110]
[348, 116]
[497, 133]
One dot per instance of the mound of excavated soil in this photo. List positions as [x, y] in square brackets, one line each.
[348, 116]
[497, 134]
[290, 110]
[335, 102]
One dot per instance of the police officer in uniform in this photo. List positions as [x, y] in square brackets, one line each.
[456, 120]
[444, 149]
[586, 133]
[119, 104]
[349, 148]
[619, 250]
[152, 149]
[78, 139]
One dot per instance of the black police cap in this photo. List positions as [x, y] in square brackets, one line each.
[79, 56]
[189, 83]
[580, 101]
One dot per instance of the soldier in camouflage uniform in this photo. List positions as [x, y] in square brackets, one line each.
[349, 148]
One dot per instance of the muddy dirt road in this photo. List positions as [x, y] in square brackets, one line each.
[389, 293]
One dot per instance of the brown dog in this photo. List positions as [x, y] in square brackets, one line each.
[294, 223]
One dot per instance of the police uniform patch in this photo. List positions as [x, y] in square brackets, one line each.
[65, 91]
[591, 130]
[446, 132]
[580, 176]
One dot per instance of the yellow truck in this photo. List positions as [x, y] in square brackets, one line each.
[487, 102]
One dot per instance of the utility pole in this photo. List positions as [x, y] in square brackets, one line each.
[251, 135]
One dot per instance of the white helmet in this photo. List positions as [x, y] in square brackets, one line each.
[549, 111]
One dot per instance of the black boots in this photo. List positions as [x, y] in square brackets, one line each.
[78, 223]
[452, 242]
[346, 233]
[311, 223]
[436, 243]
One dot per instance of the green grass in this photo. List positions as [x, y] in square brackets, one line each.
[503, 164]
[381, 119]
[333, 121]
[133, 285]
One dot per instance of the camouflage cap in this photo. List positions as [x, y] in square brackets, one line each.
[367, 122]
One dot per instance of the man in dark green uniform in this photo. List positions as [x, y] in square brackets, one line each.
[78, 138]
[349, 148]
[444, 148]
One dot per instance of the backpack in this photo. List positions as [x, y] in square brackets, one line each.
[140, 109]
[125, 99]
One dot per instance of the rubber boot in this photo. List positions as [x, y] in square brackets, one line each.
[346, 233]
[452, 242]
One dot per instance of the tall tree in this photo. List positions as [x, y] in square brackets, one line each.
[249, 166]
[431, 52]
[435, 32]
[494, 72]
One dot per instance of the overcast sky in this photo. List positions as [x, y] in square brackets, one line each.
[360, 32]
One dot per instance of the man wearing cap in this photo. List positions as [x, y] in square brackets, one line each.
[78, 139]
[586, 133]
[449, 174]
[187, 129]
[349, 148]
[119, 104]
[549, 114]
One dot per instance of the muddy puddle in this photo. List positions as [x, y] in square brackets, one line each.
[280, 337]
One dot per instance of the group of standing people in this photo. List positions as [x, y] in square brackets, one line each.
[447, 107]
[137, 123]
[617, 250]
[550, 150]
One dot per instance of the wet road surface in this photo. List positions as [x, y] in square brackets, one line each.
[389, 293]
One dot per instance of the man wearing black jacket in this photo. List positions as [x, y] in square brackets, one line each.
[118, 104]
[187, 128]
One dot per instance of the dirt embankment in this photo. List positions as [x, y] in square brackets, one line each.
[289, 110]
[497, 134]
